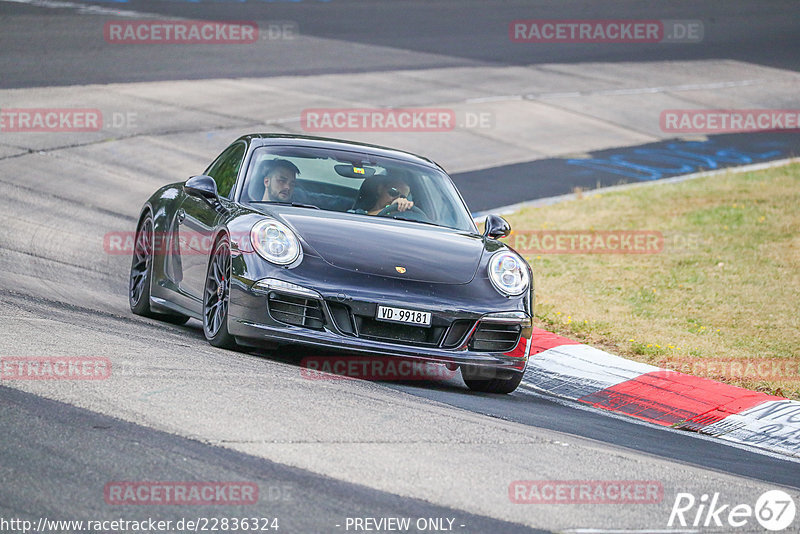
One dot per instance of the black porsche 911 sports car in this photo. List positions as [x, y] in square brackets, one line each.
[336, 245]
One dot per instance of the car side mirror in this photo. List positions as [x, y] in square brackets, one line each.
[496, 227]
[202, 186]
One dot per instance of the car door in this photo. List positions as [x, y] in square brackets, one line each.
[197, 218]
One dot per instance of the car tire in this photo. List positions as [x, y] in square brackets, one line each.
[142, 273]
[476, 380]
[216, 296]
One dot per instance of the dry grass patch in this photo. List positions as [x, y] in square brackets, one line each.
[726, 286]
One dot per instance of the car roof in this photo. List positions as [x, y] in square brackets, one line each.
[272, 139]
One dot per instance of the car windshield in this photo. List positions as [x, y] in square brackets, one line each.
[354, 182]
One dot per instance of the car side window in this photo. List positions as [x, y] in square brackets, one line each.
[226, 168]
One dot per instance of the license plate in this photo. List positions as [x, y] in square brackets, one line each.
[402, 315]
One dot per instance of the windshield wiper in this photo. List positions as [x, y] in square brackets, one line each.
[295, 204]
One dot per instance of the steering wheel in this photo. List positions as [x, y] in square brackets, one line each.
[392, 208]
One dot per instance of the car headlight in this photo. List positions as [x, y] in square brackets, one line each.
[274, 242]
[508, 273]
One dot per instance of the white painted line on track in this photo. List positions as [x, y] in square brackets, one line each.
[673, 88]
[612, 92]
[500, 98]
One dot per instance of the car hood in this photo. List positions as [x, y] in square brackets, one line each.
[388, 247]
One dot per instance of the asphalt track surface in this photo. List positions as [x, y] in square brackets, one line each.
[91, 447]
[367, 35]
[178, 409]
[553, 177]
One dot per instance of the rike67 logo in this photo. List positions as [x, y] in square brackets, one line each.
[774, 511]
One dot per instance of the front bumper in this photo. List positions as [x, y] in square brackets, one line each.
[344, 322]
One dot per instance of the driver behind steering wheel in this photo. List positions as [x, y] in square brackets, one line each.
[393, 190]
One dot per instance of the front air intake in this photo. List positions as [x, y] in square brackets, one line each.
[296, 311]
[495, 337]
